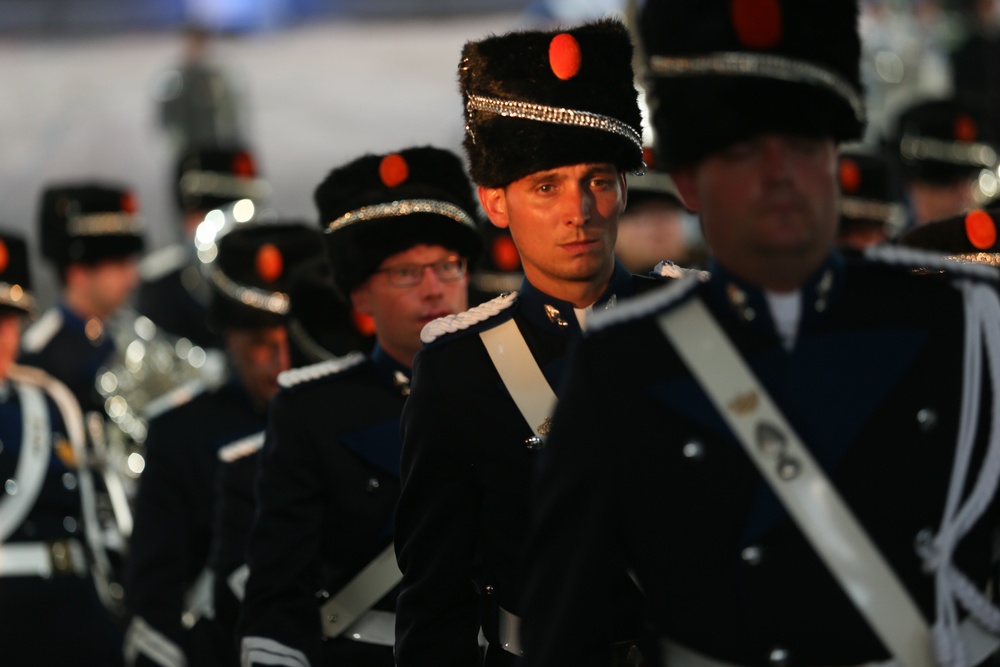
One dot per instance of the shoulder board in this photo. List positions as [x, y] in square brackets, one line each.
[641, 305]
[38, 335]
[667, 269]
[297, 376]
[452, 323]
[175, 398]
[163, 261]
[911, 258]
[241, 448]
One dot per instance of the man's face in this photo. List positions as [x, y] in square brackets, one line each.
[767, 204]
[259, 356]
[564, 222]
[10, 339]
[400, 312]
[105, 285]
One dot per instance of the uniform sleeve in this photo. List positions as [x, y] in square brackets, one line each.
[160, 552]
[572, 567]
[279, 621]
[437, 531]
[234, 512]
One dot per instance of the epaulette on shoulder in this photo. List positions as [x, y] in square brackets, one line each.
[644, 304]
[162, 262]
[303, 374]
[38, 335]
[180, 395]
[669, 270]
[241, 448]
[914, 259]
[462, 321]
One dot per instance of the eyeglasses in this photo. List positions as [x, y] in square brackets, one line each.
[446, 270]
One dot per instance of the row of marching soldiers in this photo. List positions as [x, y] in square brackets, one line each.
[787, 459]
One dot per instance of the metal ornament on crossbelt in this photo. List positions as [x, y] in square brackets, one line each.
[760, 65]
[547, 114]
[400, 208]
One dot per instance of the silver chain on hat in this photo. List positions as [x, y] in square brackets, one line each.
[401, 208]
[760, 65]
[547, 114]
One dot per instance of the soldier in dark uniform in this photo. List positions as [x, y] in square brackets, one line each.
[197, 104]
[771, 453]
[471, 431]
[871, 210]
[173, 292]
[401, 231]
[167, 587]
[320, 329]
[50, 612]
[942, 146]
[90, 233]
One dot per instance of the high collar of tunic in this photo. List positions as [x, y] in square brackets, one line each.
[560, 317]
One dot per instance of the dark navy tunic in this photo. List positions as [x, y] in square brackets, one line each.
[173, 523]
[57, 619]
[176, 296]
[58, 344]
[328, 486]
[641, 473]
[467, 470]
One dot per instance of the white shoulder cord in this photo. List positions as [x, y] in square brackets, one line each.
[982, 326]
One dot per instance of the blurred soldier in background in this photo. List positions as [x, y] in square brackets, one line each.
[401, 233]
[174, 294]
[320, 329]
[198, 105]
[90, 233]
[870, 208]
[975, 62]
[942, 146]
[168, 588]
[50, 612]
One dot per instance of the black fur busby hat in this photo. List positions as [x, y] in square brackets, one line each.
[869, 195]
[539, 100]
[723, 71]
[943, 141]
[970, 237]
[251, 274]
[87, 223]
[207, 178]
[379, 205]
[15, 279]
